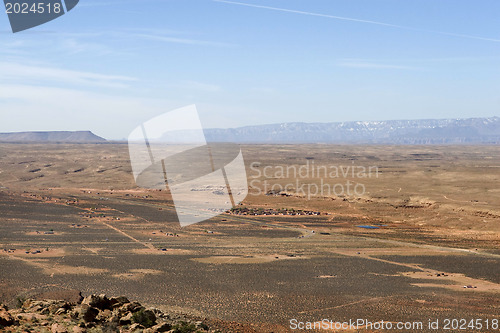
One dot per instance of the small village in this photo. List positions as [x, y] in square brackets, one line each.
[271, 211]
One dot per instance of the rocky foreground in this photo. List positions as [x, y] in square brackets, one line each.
[94, 314]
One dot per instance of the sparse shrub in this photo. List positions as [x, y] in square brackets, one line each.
[184, 327]
[110, 327]
[145, 318]
[20, 301]
[96, 330]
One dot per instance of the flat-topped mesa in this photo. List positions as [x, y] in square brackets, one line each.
[52, 137]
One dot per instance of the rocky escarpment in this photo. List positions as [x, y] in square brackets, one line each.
[94, 314]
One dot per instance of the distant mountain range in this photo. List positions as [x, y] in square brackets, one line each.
[412, 132]
[52, 137]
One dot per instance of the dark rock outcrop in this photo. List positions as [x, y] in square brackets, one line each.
[95, 313]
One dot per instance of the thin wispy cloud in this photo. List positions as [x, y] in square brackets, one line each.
[27, 32]
[186, 41]
[11, 48]
[76, 46]
[424, 60]
[17, 72]
[351, 19]
[65, 43]
[200, 86]
[373, 65]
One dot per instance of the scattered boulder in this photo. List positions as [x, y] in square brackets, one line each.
[118, 301]
[58, 328]
[100, 302]
[163, 327]
[114, 319]
[126, 320]
[130, 307]
[135, 327]
[104, 315]
[6, 318]
[88, 313]
[60, 311]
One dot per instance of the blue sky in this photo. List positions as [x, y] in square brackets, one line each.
[109, 65]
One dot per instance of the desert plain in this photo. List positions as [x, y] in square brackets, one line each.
[419, 240]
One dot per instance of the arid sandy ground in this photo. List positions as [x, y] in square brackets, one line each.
[71, 218]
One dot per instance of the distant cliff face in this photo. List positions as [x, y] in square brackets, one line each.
[48, 137]
[445, 131]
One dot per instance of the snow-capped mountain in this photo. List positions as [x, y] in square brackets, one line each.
[432, 131]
